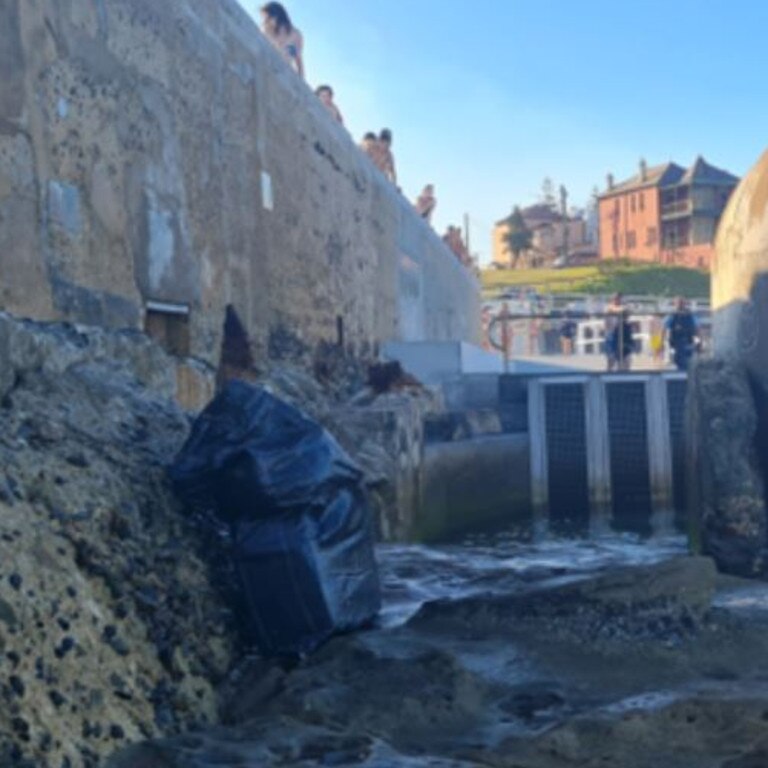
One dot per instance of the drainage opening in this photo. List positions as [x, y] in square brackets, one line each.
[168, 325]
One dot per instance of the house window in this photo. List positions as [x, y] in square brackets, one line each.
[615, 243]
[642, 201]
[168, 325]
[631, 240]
[651, 236]
[632, 203]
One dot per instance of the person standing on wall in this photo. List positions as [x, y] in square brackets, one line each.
[681, 330]
[278, 29]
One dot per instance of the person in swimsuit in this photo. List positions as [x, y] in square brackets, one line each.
[426, 202]
[386, 162]
[278, 29]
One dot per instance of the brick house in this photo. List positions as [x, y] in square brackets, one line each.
[666, 214]
[551, 234]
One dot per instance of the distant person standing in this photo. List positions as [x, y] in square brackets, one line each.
[567, 335]
[325, 94]
[278, 29]
[426, 202]
[657, 342]
[681, 331]
[618, 335]
[386, 162]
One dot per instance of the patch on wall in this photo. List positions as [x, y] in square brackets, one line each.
[64, 207]
[334, 249]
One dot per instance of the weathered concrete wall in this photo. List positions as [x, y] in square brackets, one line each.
[135, 138]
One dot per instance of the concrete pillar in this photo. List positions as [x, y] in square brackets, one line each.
[598, 456]
[659, 453]
[537, 431]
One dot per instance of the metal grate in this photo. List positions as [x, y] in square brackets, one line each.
[630, 470]
[567, 455]
[676, 392]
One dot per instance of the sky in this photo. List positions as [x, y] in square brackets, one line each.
[487, 98]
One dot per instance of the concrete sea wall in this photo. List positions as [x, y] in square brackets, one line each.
[159, 162]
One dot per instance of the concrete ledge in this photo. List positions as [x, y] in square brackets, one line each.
[474, 485]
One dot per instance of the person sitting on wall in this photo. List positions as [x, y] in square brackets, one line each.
[278, 29]
[325, 94]
[386, 160]
[426, 202]
[681, 329]
[454, 240]
[370, 145]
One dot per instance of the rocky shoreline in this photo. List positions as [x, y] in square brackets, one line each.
[110, 630]
[543, 667]
[117, 650]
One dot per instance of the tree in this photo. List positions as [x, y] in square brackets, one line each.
[518, 237]
[548, 193]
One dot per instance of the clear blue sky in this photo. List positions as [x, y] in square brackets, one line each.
[488, 97]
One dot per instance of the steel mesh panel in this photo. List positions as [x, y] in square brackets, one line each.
[676, 392]
[630, 470]
[567, 456]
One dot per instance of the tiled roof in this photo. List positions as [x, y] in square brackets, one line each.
[536, 215]
[701, 172]
[655, 176]
[669, 174]
[540, 213]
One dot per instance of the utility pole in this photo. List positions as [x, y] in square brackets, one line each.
[564, 214]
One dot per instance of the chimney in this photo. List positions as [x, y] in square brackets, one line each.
[643, 170]
[609, 179]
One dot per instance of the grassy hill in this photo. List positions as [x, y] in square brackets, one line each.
[603, 278]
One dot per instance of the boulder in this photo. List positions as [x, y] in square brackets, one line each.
[726, 486]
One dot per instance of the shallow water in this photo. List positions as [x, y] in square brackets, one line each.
[412, 575]
[406, 694]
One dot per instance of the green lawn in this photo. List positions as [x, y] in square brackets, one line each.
[604, 278]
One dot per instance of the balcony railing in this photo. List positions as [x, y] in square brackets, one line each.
[675, 208]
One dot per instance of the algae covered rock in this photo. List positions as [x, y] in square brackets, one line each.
[109, 629]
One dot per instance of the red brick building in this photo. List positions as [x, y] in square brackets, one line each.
[665, 214]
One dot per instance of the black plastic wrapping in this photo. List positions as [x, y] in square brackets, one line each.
[301, 524]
